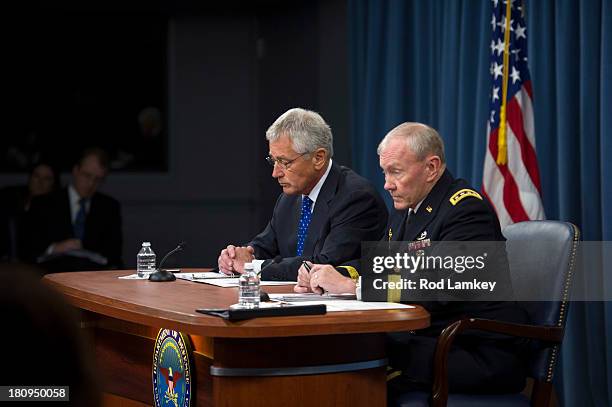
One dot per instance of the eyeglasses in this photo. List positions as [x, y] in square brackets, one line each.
[284, 164]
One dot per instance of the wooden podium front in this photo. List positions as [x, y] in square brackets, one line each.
[324, 360]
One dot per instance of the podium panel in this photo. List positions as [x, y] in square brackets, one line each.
[324, 360]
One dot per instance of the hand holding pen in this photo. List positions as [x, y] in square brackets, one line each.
[303, 279]
[313, 278]
[322, 279]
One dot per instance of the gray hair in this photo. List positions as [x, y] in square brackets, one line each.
[306, 129]
[421, 139]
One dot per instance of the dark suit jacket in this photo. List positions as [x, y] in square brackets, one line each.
[348, 211]
[49, 221]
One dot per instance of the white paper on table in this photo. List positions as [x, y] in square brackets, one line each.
[200, 276]
[352, 305]
[301, 297]
[214, 279]
[233, 282]
[134, 277]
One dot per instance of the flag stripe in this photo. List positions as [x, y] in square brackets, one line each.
[514, 187]
[510, 196]
[527, 192]
[527, 86]
[524, 101]
[502, 214]
[526, 150]
[493, 188]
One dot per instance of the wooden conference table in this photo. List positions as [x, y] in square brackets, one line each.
[324, 360]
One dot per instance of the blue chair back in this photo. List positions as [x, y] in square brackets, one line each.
[542, 257]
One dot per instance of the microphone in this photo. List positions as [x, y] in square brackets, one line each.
[165, 275]
[270, 262]
[275, 260]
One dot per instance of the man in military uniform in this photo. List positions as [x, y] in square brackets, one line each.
[431, 204]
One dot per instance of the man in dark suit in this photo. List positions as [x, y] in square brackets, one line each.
[324, 212]
[78, 217]
[431, 205]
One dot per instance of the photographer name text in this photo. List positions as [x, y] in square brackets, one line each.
[442, 284]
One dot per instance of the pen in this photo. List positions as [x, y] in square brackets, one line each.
[308, 268]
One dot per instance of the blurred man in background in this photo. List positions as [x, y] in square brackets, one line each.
[63, 224]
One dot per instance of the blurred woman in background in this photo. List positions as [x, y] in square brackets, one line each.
[15, 203]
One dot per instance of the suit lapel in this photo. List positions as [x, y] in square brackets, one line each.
[291, 225]
[320, 215]
[91, 216]
[398, 226]
[66, 215]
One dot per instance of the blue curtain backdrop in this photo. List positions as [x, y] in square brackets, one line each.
[428, 61]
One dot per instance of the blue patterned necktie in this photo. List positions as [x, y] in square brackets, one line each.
[79, 220]
[304, 222]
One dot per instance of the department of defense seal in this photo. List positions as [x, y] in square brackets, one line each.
[172, 369]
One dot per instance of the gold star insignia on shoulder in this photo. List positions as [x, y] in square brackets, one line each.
[463, 193]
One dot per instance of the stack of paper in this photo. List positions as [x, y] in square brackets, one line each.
[336, 302]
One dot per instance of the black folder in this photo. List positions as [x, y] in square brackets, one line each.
[239, 314]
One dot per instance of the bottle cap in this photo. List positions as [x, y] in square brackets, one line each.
[146, 243]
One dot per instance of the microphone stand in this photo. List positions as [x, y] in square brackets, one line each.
[162, 274]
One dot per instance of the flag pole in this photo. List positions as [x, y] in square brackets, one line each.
[502, 143]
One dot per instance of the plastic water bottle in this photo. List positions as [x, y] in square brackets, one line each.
[145, 260]
[248, 289]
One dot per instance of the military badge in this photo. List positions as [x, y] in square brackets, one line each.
[418, 244]
[172, 369]
[464, 193]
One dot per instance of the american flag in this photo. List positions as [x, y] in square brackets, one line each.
[511, 179]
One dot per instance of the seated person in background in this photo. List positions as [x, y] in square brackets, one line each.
[325, 211]
[15, 202]
[430, 202]
[78, 217]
